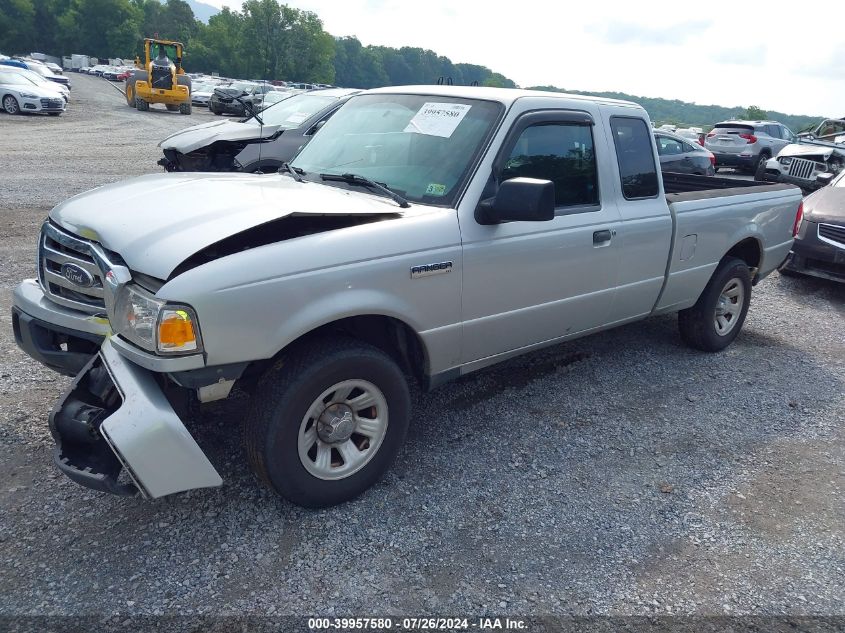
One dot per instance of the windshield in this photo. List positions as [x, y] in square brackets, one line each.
[291, 113]
[41, 70]
[14, 79]
[421, 146]
[243, 86]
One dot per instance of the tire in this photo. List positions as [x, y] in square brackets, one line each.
[284, 433]
[700, 325]
[185, 108]
[171, 107]
[213, 109]
[11, 105]
[130, 92]
[760, 172]
[142, 105]
[761, 161]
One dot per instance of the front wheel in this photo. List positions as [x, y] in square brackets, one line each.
[717, 317]
[185, 108]
[10, 105]
[327, 421]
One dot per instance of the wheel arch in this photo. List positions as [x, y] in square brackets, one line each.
[749, 250]
[388, 333]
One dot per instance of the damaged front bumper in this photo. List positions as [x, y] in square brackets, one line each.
[116, 432]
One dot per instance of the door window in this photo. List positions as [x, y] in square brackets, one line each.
[635, 156]
[562, 153]
[668, 146]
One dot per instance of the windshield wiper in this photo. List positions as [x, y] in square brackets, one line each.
[296, 172]
[355, 179]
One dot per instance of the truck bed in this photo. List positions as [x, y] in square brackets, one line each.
[680, 187]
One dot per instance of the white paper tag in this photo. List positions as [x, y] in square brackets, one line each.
[438, 119]
[296, 117]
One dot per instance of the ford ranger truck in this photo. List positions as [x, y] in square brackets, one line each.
[424, 233]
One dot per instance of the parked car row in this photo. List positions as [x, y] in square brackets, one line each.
[29, 87]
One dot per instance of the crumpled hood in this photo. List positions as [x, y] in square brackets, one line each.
[826, 205]
[796, 149]
[155, 222]
[205, 134]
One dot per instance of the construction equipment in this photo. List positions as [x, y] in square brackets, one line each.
[159, 78]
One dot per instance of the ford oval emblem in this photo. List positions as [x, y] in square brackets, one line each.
[77, 275]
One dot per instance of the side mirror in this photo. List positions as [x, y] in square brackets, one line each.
[519, 200]
[316, 127]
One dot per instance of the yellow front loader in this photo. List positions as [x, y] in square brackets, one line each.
[160, 78]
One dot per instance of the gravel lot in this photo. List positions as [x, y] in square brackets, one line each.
[618, 474]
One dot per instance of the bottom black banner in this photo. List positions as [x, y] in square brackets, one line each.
[380, 624]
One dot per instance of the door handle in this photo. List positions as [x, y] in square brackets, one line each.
[600, 237]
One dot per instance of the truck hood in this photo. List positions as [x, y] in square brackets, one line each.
[205, 134]
[156, 222]
[823, 153]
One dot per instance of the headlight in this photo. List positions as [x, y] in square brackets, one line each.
[156, 325]
[785, 161]
[28, 95]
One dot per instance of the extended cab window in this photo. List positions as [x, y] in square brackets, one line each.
[635, 156]
[562, 153]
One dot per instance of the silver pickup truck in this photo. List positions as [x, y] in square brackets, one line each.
[424, 233]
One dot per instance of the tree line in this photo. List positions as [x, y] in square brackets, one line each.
[264, 40]
[268, 40]
[686, 114]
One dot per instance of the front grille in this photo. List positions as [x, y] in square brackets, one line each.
[833, 233]
[58, 248]
[802, 168]
[49, 104]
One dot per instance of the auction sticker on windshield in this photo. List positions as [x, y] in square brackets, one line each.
[438, 119]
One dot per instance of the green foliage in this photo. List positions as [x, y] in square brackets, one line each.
[685, 114]
[269, 40]
[753, 113]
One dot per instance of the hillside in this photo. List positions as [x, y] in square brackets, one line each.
[684, 113]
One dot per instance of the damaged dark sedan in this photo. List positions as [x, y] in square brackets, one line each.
[819, 247]
[261, 143]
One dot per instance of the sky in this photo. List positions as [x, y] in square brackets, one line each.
[730, 54]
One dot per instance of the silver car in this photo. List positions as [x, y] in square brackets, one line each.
[682, 156]
[745, 144]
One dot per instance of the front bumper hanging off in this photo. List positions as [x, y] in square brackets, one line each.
[115, 417]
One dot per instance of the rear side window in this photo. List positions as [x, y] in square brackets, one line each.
[668, 146]
[635, 156]
[562, 153]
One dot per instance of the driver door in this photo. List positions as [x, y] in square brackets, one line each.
[525, 283]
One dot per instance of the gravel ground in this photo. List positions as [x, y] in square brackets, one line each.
[619, 474]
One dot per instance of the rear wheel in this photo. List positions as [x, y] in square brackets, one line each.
[760, 162]
[327, 422]
[185, 108]
[10, 105]
[130, 92]
[760, 172]
[717, 317]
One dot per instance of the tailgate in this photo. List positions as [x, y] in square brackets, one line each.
[731, 138]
